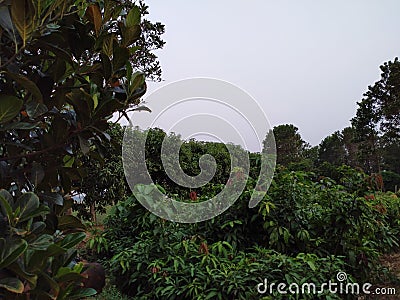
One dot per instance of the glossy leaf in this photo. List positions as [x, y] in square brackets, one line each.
[6, 203]
[27, 84]
[35, 109]
[28, 203]
[11, 251]
[12, 284]
[94, 15]
[22, 13]
[133, 17]
[10, 107]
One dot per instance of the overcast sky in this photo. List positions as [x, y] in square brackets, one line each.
[306, 62]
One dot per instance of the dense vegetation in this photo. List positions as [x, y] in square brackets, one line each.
[66, 67]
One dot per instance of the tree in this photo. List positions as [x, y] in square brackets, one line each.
[377, 121]
[105, 182]
[332, 149]
[65, 68]
[367, 134]
[350, 146]
[289, 144]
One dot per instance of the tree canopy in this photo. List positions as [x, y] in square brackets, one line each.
[66, 67]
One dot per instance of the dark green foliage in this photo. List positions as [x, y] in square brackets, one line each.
[105, 181]
[303, 223]
[189, 156]
[391, 181]
[377, 121]
[329, 218]
[289, 144]
[65, 68]
[153, 258]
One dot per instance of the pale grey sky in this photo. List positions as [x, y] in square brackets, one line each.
[306, 62]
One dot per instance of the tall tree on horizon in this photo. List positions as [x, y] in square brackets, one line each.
[377, 121]
[289, 144]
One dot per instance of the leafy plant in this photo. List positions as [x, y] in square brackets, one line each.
[66, 66]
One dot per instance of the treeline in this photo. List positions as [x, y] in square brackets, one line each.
[371, 143]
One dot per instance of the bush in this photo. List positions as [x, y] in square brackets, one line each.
[303, 230]
[328, 218]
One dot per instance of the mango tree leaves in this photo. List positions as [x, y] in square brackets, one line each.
[10, 107]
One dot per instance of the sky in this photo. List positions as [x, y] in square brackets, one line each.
[305, 62]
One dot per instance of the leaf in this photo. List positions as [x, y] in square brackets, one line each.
[37, 173]
[84, 144]
[105, 60]
[142, 108]
[19, 269]
[68, 161]
[28, 203]
[72, 240]
[10, 107]
[22, 15]
[41, 243]
[311, 265]
[82, 293]
[6, 203]
[12, 284]
[35, 109]
[120, 56]
[53, 197]
[28, 85]
[94, 15]
[133, 17]
[108, 45]
[11, 252]
[18, 125]
[6, 22]
[130, 34]
[138, 80]
[38, 227]
[78, 99]
[69, 222]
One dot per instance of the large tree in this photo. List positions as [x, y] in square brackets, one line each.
[377, 121]
[332, 150]
[289, 144]
[66, 66]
